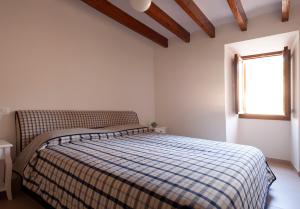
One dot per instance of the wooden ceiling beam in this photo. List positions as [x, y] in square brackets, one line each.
[285, 10]
[165, 20]
[239, 13]
[123, 18]
[197, 15]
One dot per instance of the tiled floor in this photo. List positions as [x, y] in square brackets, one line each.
[20, 201]
[284, 193]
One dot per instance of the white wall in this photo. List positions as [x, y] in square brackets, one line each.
[295, 126]
[271, 136]
[189, 87]
[298, 105]
[62, 54]
[190, 80]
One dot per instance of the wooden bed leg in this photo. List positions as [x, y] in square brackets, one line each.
[8, 172]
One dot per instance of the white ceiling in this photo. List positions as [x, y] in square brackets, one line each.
[217, 11]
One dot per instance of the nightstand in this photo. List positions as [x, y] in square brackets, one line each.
[162, 130]
[5, 155]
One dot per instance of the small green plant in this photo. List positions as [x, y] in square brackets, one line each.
[153, 124]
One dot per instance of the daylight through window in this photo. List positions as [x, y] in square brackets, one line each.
[263, 85]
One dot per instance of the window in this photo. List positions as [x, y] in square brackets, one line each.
[263, 85]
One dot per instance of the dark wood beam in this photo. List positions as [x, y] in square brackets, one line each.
[239, 13]
[165, 20]
[123, 18]
[285, 10]
[198, 16]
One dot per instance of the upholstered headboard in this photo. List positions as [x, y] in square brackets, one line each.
[30, 123]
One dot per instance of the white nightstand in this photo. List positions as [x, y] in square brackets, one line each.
[5, 154]
[162, 130]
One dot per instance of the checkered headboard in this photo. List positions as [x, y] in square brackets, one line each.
[30, 123]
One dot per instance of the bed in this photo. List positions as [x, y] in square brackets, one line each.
[106, 159]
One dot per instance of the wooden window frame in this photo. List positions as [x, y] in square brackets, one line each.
[286, 53]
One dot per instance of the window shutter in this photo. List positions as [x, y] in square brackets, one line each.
[287, 83]
[237, 65]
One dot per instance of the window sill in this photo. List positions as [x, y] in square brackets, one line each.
[265, 117]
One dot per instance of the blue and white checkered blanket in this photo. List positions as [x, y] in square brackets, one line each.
[140, 169]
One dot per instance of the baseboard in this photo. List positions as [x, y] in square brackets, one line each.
[279, 161]
[286, 162]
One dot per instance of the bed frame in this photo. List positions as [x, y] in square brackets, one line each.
[31, 123]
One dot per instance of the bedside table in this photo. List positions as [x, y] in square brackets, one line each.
[162, 130]
[5, 154]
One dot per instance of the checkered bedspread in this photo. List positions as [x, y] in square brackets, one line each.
[140, 169]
